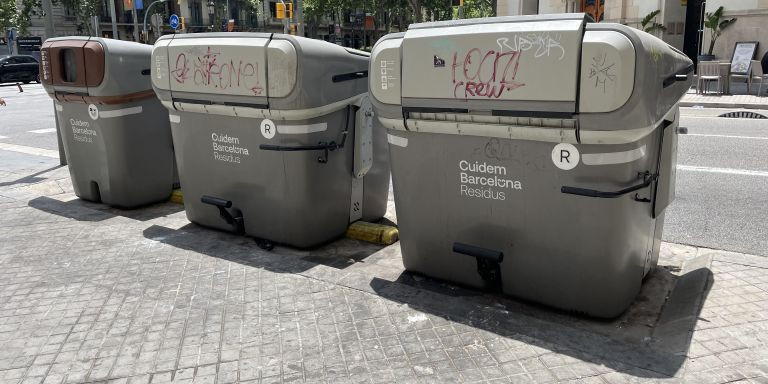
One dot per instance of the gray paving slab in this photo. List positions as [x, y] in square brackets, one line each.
[93, 294]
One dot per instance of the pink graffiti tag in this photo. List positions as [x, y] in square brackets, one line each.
[210, 70]
[487, 74]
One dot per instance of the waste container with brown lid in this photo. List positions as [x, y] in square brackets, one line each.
[115, 132]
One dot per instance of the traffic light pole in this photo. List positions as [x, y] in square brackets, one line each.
[146, 12]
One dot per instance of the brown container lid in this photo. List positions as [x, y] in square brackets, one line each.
[72, 63]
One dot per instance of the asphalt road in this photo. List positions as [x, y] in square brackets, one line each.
[722, 185]
[722, 179]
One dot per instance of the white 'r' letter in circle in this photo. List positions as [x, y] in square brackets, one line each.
[565, 156]
[268, 128]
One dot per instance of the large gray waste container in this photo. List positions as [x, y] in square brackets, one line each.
[534, 155]
[115, 132]
[273, 134]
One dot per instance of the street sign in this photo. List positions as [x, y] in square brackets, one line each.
[29, 44]
[174, 21]
[157, 24]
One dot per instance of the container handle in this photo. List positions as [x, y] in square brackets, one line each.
[349, 76]
[681, 75]
[648, 178]
[322, 146]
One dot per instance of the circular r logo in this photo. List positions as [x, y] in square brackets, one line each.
[565, 156]
[268, 128]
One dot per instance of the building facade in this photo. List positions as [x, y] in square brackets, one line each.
[682, 19]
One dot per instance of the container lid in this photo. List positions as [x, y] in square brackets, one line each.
[234, 65]
[72, 63]
[500, 60]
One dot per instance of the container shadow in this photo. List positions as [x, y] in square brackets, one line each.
[82, 210]
[650, 340]
[339, 254]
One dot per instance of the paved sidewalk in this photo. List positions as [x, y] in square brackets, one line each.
[740, 98]
[93, 294]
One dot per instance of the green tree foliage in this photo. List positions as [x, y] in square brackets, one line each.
[7, 14]
[650, 25]
[83, 10]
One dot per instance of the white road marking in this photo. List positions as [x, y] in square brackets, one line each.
[47, 130]
[29, 150]
[3, 137]
[727, 136]
[729, 171]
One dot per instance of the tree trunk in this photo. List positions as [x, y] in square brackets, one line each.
[416, 6]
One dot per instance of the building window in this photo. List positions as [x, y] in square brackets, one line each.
[196, 13]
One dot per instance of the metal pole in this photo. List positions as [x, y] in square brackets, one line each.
[96, 26]
[114, 18]
[286, 27]
[135, 22]
[299, 18]
[50, 30]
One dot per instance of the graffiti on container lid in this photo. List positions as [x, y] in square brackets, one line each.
[601, 71]
[211, 69]
[487, 73]
[541, 44]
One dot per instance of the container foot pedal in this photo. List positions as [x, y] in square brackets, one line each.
[235, 220]
[488, 262]
[264, 244]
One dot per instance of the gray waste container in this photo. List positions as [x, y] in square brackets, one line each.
[115, 132]
[273, 134]
[534, 155]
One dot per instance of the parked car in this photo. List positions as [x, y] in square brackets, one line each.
[19, 68]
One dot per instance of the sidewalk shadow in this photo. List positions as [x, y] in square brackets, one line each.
[339, 254]
[31, 179]
[82, 210]
[658, 351]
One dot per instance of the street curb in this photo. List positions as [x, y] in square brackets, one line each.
[689, 104]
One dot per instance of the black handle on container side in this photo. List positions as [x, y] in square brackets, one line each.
[478, 252]
[322, 146]
[349, 76]
[216, 201]
[648, 178]
[681, 75]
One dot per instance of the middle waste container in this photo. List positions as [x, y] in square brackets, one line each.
[534, 155]
[273, 134]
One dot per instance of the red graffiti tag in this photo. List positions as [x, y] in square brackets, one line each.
[485, 74]
[209, 70]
